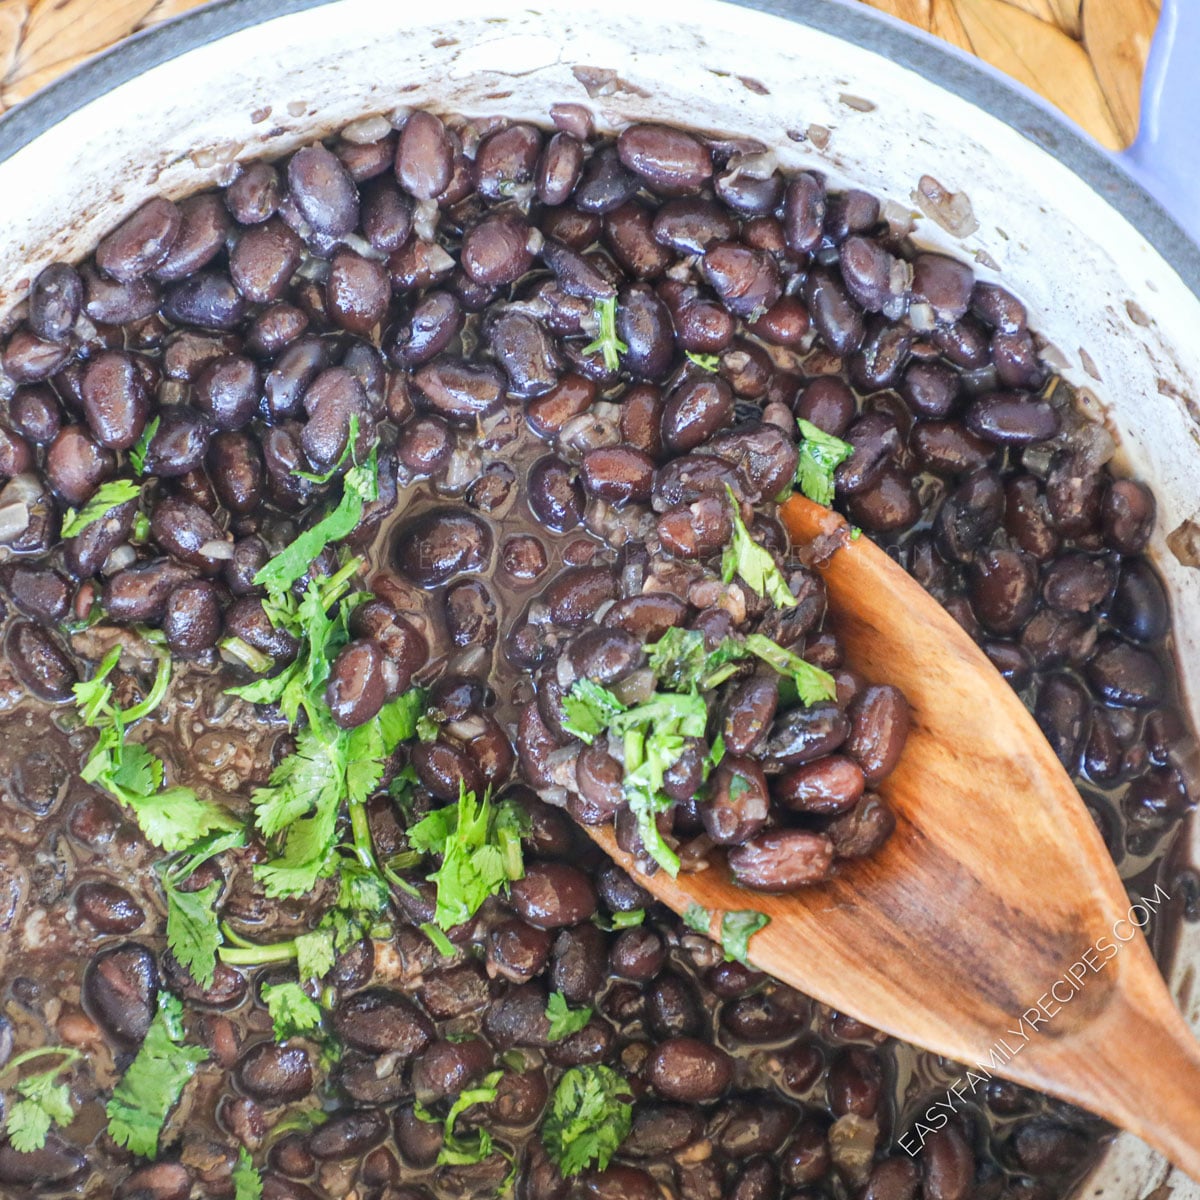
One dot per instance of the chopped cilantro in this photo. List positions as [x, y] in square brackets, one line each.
[152, 1085]
[564, 1020]
[697, 917]
[589, 708]
[607, 343]
[820, 455]
[347, 451]
[443, 945]
[480, 845]
[706, 362]
[812, 684]
[745, 558]
[737, 928]
[360, 487]
[314, 953]
[108, 495]
[590, 1115]
[738, 786]
[461, 1151]
[678, 659]
[44, 1101]
[292, 1010]
[139, 450]
[247, 1183]
[620, 920]
[193, 932]
[855, 533]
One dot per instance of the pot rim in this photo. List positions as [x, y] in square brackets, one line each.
[936, 61]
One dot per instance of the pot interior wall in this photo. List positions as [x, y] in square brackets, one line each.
[1115, 311]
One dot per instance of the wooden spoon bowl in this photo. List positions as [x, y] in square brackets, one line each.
[992, 928]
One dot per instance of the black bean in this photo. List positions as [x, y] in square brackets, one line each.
[838, 320]
[445, 770]
[207, 299]
[1062, 712]
[606, 184]
[827, 786]
[323, 191]
[1012, 419]
[804, 212]
[643, 323]
[458, 391]
[1044, 1146]
[827, 403]
[56, 1163]
[29, 359]
[434, 322]
[275, 1074]
[36, 415]
[553, 894]
[1126, 675]
[253, 197]
[55, 301]
[867, 272]
[114, 399]
[1003, 589]
[577, 592]
[247, 619]
[947, 1166]
[1139, 608]
[969, 515]
[263, 261]
[188, 533]
[202, 232]
[688, 1070]
[782, 860]
[192, 621]
[672, 162]
[737, 804]
[228, 390]
[525, 350]
[946, 448]
[749, 711]
[447, 1068]
[692, 226]
[496, 251]
[357, 686]
[747, 281]
[697, 531]
[629, 233]
[441, 544]
[109, 908]
[119, 989]
[673, 1007]
[357, 291]
[39, 592]
[348, 1135]
[694, 411]
[517, 951]
[140, 242]
[803, 734]
[381, 1021]
[744, 1128]
[40, 663]
[1127, 515]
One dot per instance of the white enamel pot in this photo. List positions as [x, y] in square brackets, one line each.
[1110, 279]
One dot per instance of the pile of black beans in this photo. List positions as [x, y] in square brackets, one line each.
[436, 285]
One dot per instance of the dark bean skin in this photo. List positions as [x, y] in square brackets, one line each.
[737, 804]
[254, 195]
[804, 212]
[108, 908]
[140, 242]
[577, 592]
[694, 411]
[746, 280]
[119, 987]
[275, 1074]
[672, 162]
[749, 711]
[517, 951]
[183, 529]
[323, 191]
[689, 1071]
[495, 252]
[1003, 589]
[459, 392]
[782, 860]
[619, 474]
[628, 231]
[441, 544]
[435, 321]
[804, 734]
[424, 156]
[245, 618]
[876, 440]
[227, 391]
[559, 169]
[969, 515]
[444, 769]
[447, 1068]
[40, 663]
[114, 399]
[697, 531]
[1127, 515]
[947, 1166]
[55, 301]
[1139, 608]
[827, 403]
[1062, 712]
[1126, 675]
[39, 592]
[379, 1021]
[552, 895]
[357, 688]
[208, 299]
[348, 1135]
[837, 318]
[263, 261]
[830, 785]
[647, 617]
[643, 323]
[57, 1162]
[192, 621]
[1044, 1146]
[555, 494]
[28, 359]
[1011, 419]
[605, 656]
[606, 184]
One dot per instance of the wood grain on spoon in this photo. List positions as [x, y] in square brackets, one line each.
[994, 896]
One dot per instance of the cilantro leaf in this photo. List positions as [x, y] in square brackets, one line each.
[360, 487]
[820, 456]
[314, 953]
[292, 1011]
[590, 1115]
[737, 928]
[609, 345]
[152, 1085]
[460, 1151]
[706, 362]
[744, 557]
[107, 495]
[177, 817]
[139, 450]
[589, 708]
[27, 1126]
[619, 920]
[44, 1101]
[247, 1183]
[564, 1020]
[678, 658]
[93, 696]
[480, 845]
[697, 917]
[193, 932]
[812, 684]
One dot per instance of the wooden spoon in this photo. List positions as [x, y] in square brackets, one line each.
[994, 895]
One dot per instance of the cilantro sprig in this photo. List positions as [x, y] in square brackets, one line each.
[820, 456]
[292, 1010]
[589, 1116]
[607, 343]
[754, 565]
[139, 450]
[563, 1019]
[706, 362]
[247, 1183]
[480, 845]
[44, 1099]
[151, 1087]
[173, 818]
[737, 927]
[107, 496]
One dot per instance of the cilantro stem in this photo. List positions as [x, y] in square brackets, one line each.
[68, 1057]
[252, 956]
[247, 655]
[361, 829]
[157, 691]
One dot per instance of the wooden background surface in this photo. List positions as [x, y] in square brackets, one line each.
[1085, 56]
